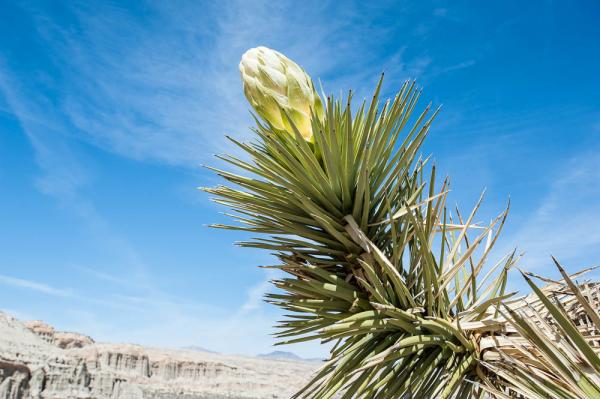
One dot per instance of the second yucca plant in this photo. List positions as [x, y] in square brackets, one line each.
[376, 262]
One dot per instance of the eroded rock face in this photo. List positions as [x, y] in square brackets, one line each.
[36, 361]
[62, 339]
[13, 380]
[169, 370]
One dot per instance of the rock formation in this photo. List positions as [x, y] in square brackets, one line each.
[36, 361]
[62, 339]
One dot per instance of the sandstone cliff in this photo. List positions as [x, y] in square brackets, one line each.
[36, 361]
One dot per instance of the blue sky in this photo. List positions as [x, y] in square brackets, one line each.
[108, 110]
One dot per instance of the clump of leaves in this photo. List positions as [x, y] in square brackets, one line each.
[550, 348]
[375, 261]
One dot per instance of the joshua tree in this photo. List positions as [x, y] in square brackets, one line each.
[377, 264]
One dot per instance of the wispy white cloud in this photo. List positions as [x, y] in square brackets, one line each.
[566, 223]
[171, 90]
[450, 68]
[35, 286]
[62, 173]
[255, 295]
[99, 275]
[69, 294]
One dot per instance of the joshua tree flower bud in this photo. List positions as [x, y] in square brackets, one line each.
[274, 84]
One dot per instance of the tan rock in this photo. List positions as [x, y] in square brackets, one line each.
[62, 339]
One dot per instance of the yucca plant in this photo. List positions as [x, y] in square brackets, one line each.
[550, 348]
[375, 261]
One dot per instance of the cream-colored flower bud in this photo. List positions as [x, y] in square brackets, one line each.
[274, 84]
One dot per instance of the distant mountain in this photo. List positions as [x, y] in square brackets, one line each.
[197, 349]
[281, 355]
[287, 356]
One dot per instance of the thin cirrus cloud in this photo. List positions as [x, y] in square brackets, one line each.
[170, 92]
[35, 286]
[566, 223]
